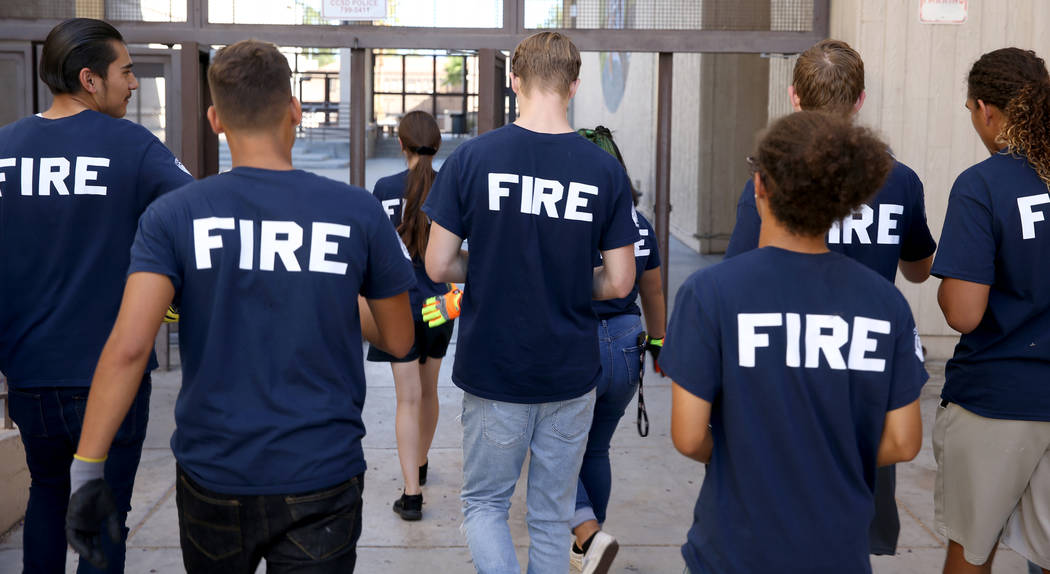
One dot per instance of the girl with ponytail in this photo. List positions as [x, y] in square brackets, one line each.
[416, 374]
[992, 435]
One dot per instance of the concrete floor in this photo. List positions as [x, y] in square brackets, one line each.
[653, 496]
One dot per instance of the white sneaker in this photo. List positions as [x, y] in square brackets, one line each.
[575, 559]
[600, 554]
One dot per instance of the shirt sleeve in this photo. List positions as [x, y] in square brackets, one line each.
[692, 353]
[748, 223]
[918, 242]
[619, 229]
[154, 249]
[968, 245]
[159, 173]
[909, 374]
[653, 259]
[389, 269]
[443, 204]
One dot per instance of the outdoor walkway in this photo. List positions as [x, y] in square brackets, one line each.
[653, 494]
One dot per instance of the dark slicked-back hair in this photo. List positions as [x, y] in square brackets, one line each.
[73, 45]
[250, 83]
[818, 168]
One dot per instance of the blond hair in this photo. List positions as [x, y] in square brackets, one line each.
[548, 61]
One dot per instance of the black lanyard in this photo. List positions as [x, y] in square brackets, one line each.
[643, 417]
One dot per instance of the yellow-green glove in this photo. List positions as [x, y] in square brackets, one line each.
[439, 310]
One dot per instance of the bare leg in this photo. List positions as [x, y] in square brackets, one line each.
[585, 531]
[428, 412]
[956, 563]
[406, 422]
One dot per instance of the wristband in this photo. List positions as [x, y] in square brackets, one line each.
[657, 342]
[86, 459]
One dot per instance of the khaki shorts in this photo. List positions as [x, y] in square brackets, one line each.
[993, 478]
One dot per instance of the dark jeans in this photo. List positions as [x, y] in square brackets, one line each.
[886, 525]
[49, 420]
[308, 533]
[620, 357]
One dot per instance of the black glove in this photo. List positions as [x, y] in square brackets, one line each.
[653, 347]
[90, 509]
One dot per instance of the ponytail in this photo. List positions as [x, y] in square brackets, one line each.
[420, 136]
[1027, 129]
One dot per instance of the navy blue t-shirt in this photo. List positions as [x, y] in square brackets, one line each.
[646, 257]
[71, 193]
[536, 208]
[268, 266]
[390, 191]
[890, 227]
[997, 233]
[801, 356]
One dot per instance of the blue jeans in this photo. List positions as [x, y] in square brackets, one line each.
[49, 420]
[620, 354]
[305, 533]
[496, 438]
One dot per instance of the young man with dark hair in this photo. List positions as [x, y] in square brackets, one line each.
[887, 232]
[268, 263]
[73, 182]
[537, 201]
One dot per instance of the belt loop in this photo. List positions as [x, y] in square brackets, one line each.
[945, 403]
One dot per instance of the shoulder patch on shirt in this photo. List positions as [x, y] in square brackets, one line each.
[179, 165]
[918, 346]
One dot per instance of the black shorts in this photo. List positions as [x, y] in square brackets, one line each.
[431, 342]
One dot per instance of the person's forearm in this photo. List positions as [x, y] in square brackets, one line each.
[113, 389]
[369, 329]
[608, 286]
[700, 452]
[453, 270]
[916, 271]
[653, 306]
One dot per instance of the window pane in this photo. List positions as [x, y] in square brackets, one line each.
[409, 13]
[419, 74]
[387, 109]
[387, 76]
[451, 73]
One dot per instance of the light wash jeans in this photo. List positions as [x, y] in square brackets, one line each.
[496, 438]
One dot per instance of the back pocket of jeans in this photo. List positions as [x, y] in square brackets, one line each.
[324, 521]
[212, 525]
[573, 417]
[505, 424]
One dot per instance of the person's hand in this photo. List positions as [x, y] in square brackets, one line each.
[439, 310]
[654, 346]
[91, 508]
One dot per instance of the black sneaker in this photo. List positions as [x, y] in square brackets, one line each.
[409, 506]
[423, 473]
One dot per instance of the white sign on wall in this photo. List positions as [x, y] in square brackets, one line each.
[942, 11]
[353, 9]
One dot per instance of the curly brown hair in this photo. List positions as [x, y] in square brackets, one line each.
[818, 168]
[1016, 82]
